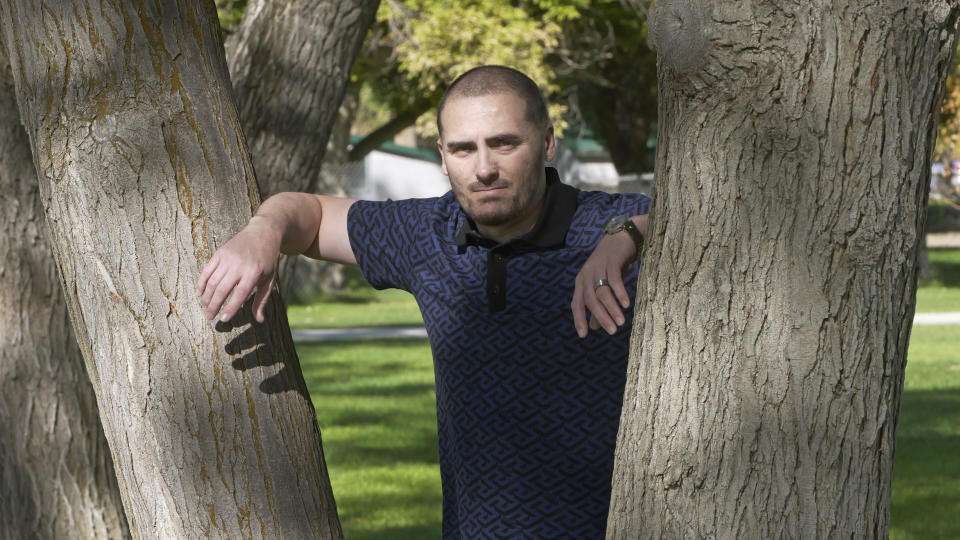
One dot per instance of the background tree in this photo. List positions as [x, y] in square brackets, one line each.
[608, 80]
[143, 172]
[776, 304]
[948, 132]
[417, 47]
[591, 58]
[56, 474]
[290, 63]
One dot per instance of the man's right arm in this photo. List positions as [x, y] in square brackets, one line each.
[289, 223]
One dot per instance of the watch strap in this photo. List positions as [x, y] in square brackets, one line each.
[634, 233]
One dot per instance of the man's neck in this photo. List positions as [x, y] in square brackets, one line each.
[510, 231]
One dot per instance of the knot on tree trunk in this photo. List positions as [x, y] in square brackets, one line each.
[677, 34]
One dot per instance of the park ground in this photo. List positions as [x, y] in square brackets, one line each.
[375, 405]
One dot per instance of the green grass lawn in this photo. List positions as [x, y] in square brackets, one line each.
[926, 478]
[359, 305]
[942, 291]
[375, 404]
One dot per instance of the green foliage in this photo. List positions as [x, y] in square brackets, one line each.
[417, 47]
[948, 126]
[590, 58]
[444, 39]
[611, 75]
[230, 13]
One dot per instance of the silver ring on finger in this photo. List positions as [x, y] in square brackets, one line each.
[602, 282]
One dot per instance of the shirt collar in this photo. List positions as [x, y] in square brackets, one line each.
[551, 227]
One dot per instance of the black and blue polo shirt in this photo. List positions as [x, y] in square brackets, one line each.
[527, 412]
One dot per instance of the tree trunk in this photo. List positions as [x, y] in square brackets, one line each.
[56, 475]
[143, 173]
[290, 64]
[306, 278]
[775, 307]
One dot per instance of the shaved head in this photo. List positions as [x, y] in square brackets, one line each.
[487, 80]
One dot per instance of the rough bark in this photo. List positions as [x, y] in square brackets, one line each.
[56, 475]
[775, 308]
[290, 64]
[143, 173]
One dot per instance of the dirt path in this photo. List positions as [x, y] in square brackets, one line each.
[943, 240]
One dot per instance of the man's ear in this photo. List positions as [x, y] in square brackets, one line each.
[443, 160]
[550, 144]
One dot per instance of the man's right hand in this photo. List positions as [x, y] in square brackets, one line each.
[247, 262]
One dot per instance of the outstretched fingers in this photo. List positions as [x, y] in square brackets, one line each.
[238, 296]
[224, 287]
[604, 309]
[617, 288]
[206, 273]
[605, 302]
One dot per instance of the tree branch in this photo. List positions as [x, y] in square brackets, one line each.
[388, 131]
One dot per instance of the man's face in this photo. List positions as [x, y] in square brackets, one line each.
[495, 159]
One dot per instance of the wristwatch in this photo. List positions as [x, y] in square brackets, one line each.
[624, 223]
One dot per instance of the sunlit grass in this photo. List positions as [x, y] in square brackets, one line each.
[368, 308]
[942, 291]
[926, 483]
[358, 306]
[375, 404]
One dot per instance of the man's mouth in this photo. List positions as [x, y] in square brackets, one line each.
[481, 189]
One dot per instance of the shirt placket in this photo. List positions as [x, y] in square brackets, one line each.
[497, 278]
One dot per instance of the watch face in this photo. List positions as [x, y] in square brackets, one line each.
[615, 224]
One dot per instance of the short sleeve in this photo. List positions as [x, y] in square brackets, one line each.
[382, 234]
[635, 204]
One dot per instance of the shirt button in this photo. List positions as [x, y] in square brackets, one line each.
[496, 289]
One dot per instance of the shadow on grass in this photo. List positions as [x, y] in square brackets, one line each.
[393, 390]
[926, 475]
[381, 392]
[422, 501]
[413, 532]
[344, 298]
[416, 449]
[947, 274]
[945, 266]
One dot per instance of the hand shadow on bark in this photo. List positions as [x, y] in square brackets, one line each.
[261, 345]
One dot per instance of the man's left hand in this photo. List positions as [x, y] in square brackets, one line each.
[606, 303]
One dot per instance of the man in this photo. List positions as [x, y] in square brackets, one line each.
[528, 400]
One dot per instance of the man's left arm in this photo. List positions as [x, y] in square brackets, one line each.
[605, 267]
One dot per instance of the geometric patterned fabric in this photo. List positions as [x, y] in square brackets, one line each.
[527, 412]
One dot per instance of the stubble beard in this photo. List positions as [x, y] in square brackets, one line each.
[496, 218]
[522, 200]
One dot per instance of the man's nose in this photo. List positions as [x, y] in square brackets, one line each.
[487, 170]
